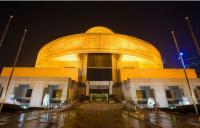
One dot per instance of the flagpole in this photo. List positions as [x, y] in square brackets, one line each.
[186, 76]
[193, 35]
[14, 64]
[5, 30]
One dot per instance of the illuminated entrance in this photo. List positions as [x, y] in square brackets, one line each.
[99, 76]
[99, 97]
[99, 90]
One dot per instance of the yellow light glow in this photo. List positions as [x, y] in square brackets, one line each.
[71, 57]
[99, 40]
[128, 58]
[126, 73]
[41, 72]
[99, 29]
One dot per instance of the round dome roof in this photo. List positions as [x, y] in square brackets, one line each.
[99, 40]
[99, 29]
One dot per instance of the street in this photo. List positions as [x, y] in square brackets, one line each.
[95, 115]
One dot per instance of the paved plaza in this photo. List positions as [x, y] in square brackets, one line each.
[95, 115]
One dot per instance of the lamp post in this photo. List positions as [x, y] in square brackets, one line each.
[5, 30]
[182, 62]
[193, 35]
[13, 67]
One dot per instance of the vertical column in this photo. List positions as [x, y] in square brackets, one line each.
[160, 94]
[107, 97]
[132, 90]
[84, 67]
[91, 97]
[110, 87]
[36, 97]
[114, 67]
[126, 89]
[87, 88]
[65, 90]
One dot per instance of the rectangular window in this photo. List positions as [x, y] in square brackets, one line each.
[99, 60]
[57, 93]
[168, 93]
[99, 67]
[94, 74]
[29, 92]
[141, 94]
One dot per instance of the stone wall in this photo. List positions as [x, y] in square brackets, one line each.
[159, 86]
[38, 85]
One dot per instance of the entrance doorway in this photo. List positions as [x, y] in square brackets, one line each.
[98, 97]
[99, 93]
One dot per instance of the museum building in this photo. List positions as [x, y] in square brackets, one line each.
[97, 64]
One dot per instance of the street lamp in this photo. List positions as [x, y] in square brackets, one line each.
[13, 67]
[182, 62]
[5, 30]
[193, 35]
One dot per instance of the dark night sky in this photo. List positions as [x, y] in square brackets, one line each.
[46, 21]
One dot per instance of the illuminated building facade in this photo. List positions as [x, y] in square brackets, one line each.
[100, 63]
